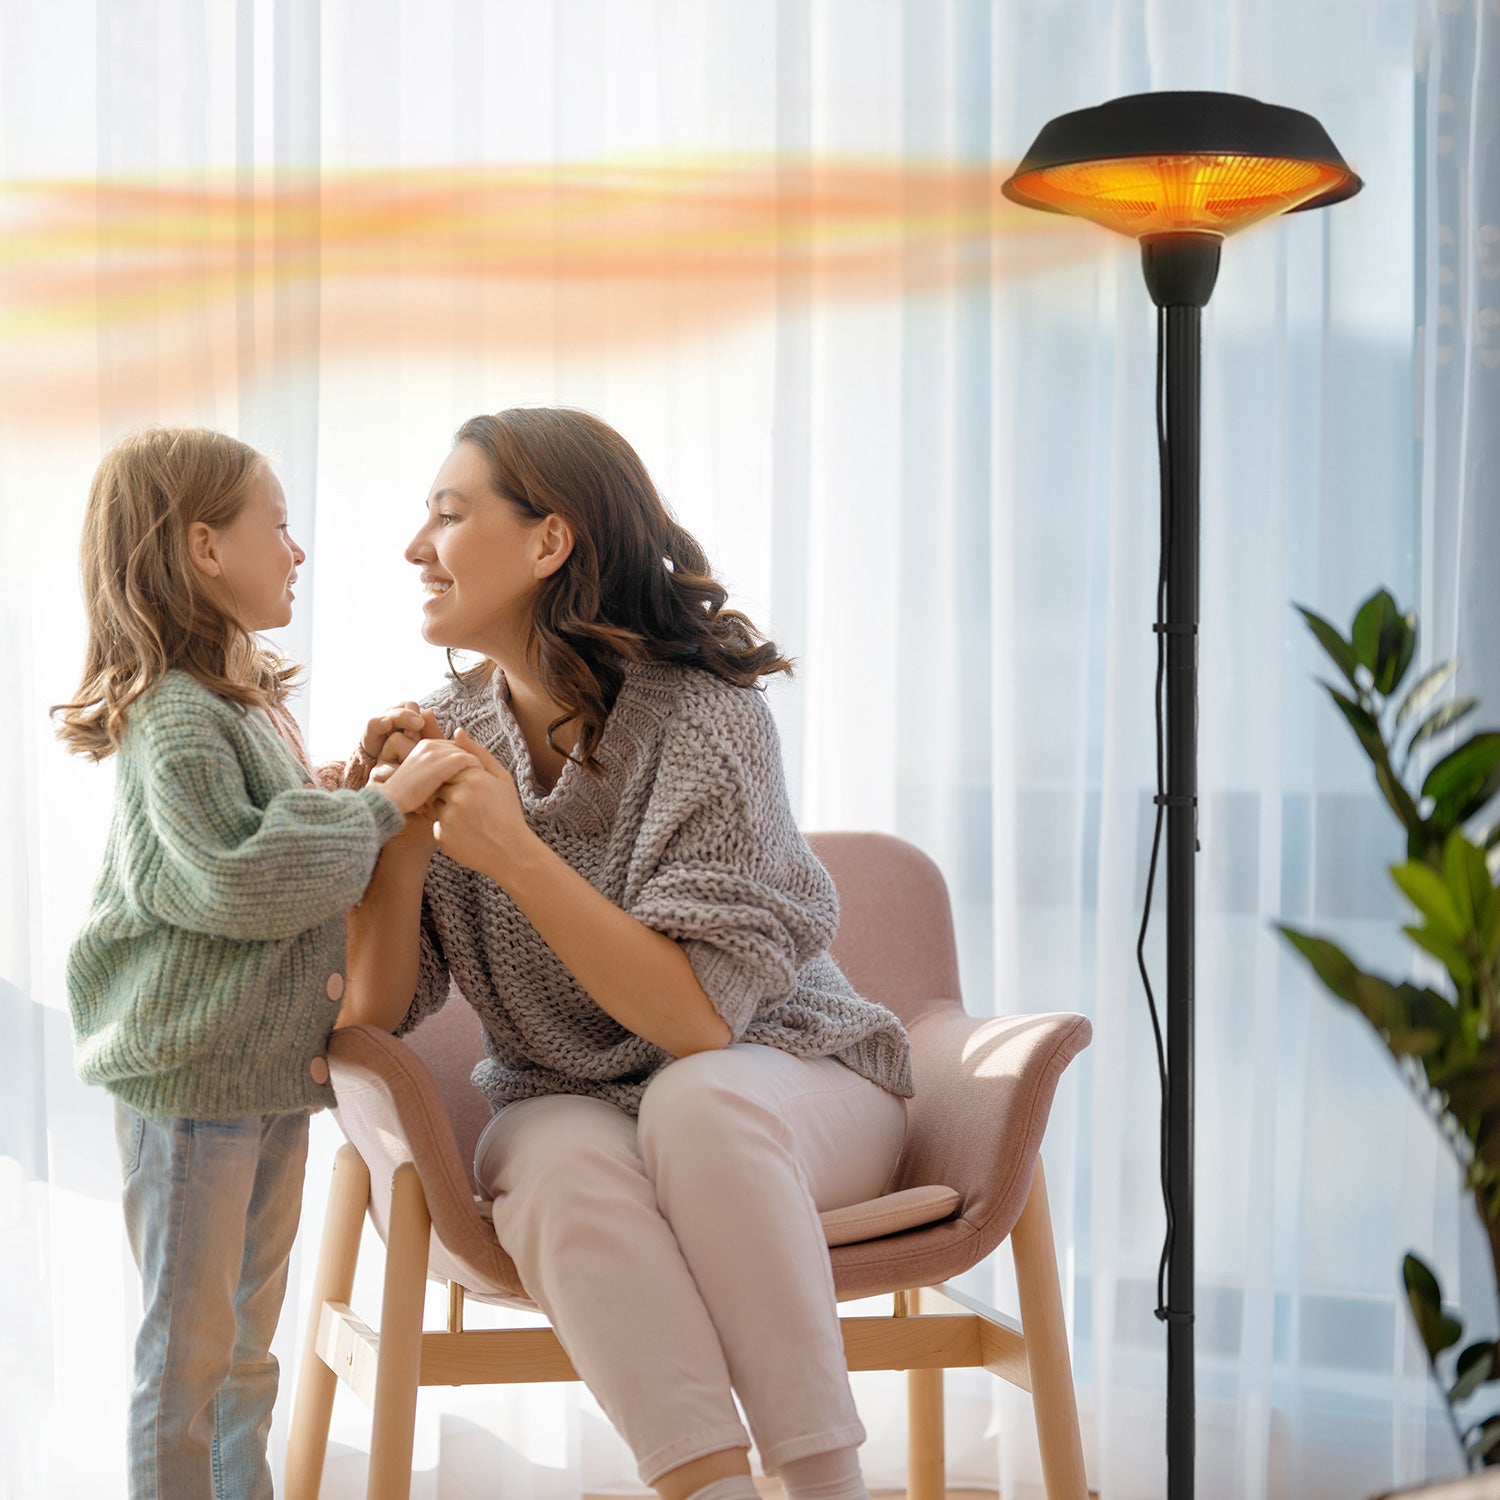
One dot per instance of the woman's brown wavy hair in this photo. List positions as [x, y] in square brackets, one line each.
[149, 609]
[636, 586]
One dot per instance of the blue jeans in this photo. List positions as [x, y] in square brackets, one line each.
[211, 1208]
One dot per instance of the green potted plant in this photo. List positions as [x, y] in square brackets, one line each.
[1446, 1045]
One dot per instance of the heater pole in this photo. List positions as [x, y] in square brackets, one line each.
[1183, 380]
[1180, 271]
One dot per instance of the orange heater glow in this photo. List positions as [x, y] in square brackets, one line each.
[1204, 192]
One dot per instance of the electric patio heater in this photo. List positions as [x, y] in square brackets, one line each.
[1179, 172]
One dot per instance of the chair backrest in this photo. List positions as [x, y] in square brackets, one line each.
[895, 939]
[895, 944]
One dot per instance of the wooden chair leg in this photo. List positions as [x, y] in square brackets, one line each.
[1053, 1397]
[395, 1408]
[926, 1462]
[307, 1442]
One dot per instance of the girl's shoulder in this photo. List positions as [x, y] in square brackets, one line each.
[180, 719]
[178, 703]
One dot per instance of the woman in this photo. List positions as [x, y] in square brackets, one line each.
[682, 1077]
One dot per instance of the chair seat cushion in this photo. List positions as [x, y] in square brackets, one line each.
[870, 1220]
[877, 1217]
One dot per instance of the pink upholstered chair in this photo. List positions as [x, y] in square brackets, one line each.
[969, 1176]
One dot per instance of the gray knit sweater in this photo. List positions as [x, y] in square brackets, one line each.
[688, 828]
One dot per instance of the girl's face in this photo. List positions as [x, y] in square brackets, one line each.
[482, 560]
[257, 558]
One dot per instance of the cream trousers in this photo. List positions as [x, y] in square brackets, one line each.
[679, 1255]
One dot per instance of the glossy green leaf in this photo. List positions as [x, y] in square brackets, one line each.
[1463, 769]
[1408, 650]
[1393, 653]
[1420, 1282]
[1420, 839]
[1489, 930]
[1436, 1329]
[1440, 719]
[1370, 622]
[1447, 952]
[1393, 1010]
[1475, 1365]
[1489, 1437]
[1456, 1066]
[1384, 1005]
[1397, 796]
[1411, 1043]
[1362, 722]
[1428, 686]
[1475, 1092]
[1429, 1009]
[1466, 876]
[1480, 1442]
[1332, 642]
[1429, 893]
[1329, 962]
[1457, 811]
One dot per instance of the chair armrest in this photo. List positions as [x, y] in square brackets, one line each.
[984, 1092]
[891, 1213]
[391, 1109]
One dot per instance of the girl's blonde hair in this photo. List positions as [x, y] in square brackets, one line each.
[149, 608]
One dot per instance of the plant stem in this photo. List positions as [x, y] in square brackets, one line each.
[1470, 1462]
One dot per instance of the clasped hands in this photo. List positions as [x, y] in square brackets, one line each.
[456, 796]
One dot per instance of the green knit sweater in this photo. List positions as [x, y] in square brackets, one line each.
[204, 981]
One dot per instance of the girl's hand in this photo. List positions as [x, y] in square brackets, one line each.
[479, 818]
[388, 739]
[411, 784]
[410, 725]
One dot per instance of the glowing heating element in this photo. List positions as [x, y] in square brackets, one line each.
[1211, 194]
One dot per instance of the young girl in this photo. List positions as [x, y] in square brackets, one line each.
[208, 973]
[681, 1077]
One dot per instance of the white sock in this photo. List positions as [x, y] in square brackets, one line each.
[736, 1487]
[824, 1476]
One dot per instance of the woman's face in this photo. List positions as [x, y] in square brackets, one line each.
[482, 559]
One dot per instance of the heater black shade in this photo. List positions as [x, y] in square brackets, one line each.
[1175, 162]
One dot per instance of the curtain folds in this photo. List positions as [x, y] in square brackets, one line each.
[914, 428]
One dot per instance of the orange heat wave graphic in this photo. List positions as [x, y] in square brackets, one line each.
[163, 284]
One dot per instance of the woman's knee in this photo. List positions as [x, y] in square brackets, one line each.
[558, 1151]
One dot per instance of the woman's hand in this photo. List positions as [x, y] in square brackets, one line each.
[479, 818]
[430, 765]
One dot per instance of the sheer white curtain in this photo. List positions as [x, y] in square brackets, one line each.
[1457, 384]
[914, 429]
